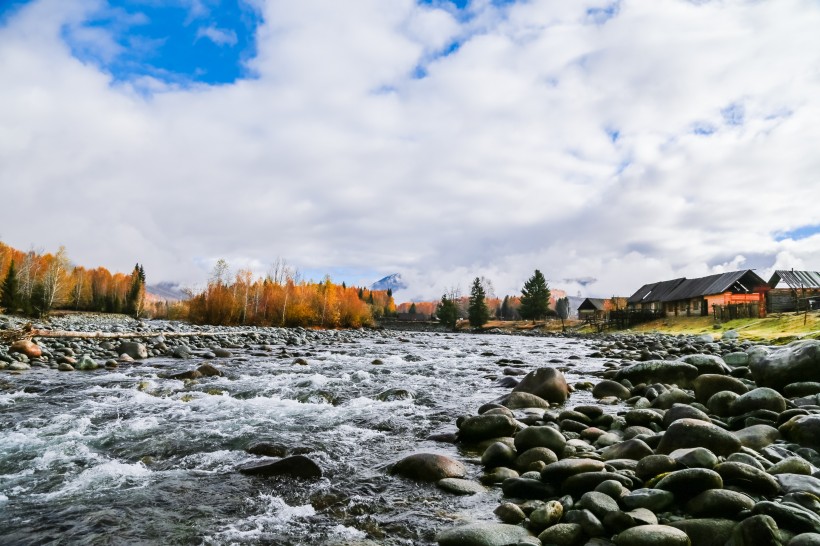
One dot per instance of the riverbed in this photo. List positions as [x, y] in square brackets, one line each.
[130, 456]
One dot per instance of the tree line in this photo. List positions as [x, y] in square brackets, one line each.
[533, 304]
[34, 283]
[282, 298]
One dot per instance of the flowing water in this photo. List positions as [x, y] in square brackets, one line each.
[130, 457]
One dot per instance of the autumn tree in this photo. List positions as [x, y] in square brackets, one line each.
[535, 297]
[8, 295]
[477, 311]
[53, 287]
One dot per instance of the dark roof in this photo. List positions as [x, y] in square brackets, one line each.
[744, 281]
[795, 279]
[592, 303]
[654, 291]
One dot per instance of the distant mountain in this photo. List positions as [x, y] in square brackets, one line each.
[392, 282]
[166, 291]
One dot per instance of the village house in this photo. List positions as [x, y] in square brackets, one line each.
[701, 296]
[791, 290]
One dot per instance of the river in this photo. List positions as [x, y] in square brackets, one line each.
[130, 457]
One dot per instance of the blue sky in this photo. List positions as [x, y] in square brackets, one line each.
[622, 141]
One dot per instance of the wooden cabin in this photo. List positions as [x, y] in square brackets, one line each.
[700, 296]
[791, 290]
[592, 309]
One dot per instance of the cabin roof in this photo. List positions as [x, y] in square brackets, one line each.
[743, 281]
[592, 303]
[795, 279]
[655, 291]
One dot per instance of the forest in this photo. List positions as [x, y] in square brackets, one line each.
[36, 283]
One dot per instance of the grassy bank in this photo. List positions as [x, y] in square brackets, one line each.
[775, 329]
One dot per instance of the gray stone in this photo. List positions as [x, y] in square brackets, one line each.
[563, 469]
[707, 385]
[793, 483]
[805, 539]
[591, 525]
[652, 535]
[483, 534]
[757, 399]
[598, 503]
[296, 466]
[792, 465]
[757, 436]
[798, 361]
[803, 429]
[533, 455]
[738, 358]
[498, 454]
[682, 411]
[484, 427]
[547, 383]
[748, 478]
[651, 499]
[694, 457]
[510, 513]
[659, 371]
[540, 437]
[86, 363]
[607, 387]
[686, 433]
[133, 349]
[520, 400]
[429, 467]
[545, 516]
[707, 531]
[789, 516]
[459, 486]
[690, 482]
[719, 503]
[562, 534]
[755, 531]
[710, 364]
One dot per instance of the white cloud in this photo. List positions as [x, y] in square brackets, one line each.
[499, 161]
[219, 36]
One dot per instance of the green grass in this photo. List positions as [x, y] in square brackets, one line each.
[778, 329]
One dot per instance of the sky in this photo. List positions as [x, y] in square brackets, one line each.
[607, 143]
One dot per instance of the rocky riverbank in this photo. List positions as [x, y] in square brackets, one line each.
[718, 445]
[146, 339]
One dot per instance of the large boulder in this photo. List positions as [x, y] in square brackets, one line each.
[659, 371]
[798, 361]
[685, 433]
[543, 436]
[429, 467]
[135, 350]
[547, 383]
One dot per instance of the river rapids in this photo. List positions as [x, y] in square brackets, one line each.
[131, 457]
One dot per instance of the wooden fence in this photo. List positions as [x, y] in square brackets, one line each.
[736, 311]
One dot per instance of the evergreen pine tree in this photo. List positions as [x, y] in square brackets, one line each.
[535, 297]
[9, 299]
[447, 312]
[478, 312]
[135, 299]
[412, 308]
[505, 308]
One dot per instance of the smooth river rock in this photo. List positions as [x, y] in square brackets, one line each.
[429, 467]
[798, 361]
[296, 466]
[686, 433]
[483, 534]
[547, 383]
